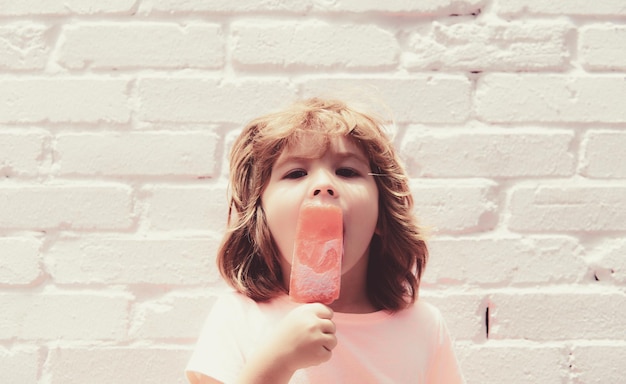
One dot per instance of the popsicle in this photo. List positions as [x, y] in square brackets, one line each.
[317, 254]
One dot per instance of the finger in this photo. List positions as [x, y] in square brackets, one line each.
[323, 312]
[327, 326]
[325, 354]
[330, 342]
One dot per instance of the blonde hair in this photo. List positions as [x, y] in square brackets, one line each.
[248, 257]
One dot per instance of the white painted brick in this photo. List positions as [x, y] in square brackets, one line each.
[66, 7]
[40, 99]
[210, 100]
[603, 154]
[576, 207]
[466, 207]
[119, 365]
[114, 260]
[502, 261]
[64, 315]
[579, 314]
[19, 364]
[87, 86]
[599, 363]
[428, 99]
[472, 46]
[475, 152]
[431, 7]
[551, 98]
[19, 260]
[585, 8]
[141, 45]
[223, 6]
[464, 313]
[179, 208]
[313, 44]
[39, 206]
[497, 363]
[608, 261]
[20, 151]
[173, 317]
[23, 46]
[137, 154]
[603, 47]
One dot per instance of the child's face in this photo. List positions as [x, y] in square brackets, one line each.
[341, 177]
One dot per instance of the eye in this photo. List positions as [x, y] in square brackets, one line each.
[347, 172]
[295, 174]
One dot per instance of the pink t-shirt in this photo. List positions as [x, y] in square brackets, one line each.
[410, 346]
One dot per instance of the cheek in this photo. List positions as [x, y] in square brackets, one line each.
[362, 217]
[365, 222]
[366, 204]
[281, 222]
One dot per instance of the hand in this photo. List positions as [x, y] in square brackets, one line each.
[303, 338]
[306, 336]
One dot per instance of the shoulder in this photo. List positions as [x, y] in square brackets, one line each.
[227, 309]
[423, 321]
[422, 312]
[233, 301]
[222, 340]
[233, 306]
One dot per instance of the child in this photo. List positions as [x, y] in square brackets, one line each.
[376, 331]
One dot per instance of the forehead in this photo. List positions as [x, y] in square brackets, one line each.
[315, 146]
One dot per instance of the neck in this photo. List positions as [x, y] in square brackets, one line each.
[353, 296]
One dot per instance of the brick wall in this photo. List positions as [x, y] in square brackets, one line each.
[116, 117]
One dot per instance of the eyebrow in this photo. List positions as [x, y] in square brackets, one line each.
[352, 155]
[340, 155]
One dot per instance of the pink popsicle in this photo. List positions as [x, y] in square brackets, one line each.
[317, 254]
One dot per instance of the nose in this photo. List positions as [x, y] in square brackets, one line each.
[323, 185]
[329, 191]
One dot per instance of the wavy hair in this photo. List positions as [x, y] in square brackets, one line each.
[248, 257]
